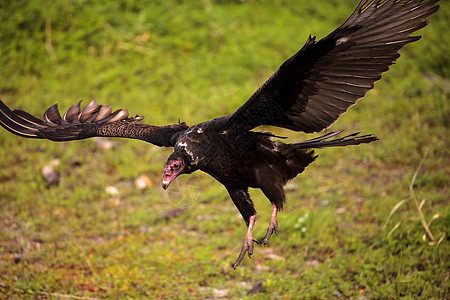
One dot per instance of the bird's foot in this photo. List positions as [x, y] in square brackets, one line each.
[273, 228]
[273, 225]
[246, 248]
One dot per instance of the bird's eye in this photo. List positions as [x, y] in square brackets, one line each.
[176, 166]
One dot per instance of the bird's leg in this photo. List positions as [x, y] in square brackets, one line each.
[273, 224]
[248, 242]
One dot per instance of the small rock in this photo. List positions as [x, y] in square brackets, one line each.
[262, 268]
[291, 186]
[49, 173]
[220, 293]
[17, 258]
[341, 210]
[274, 257]
[112, 190]
[324, 202]
[269, 253]
[103, 143]
[313, 263]
[174, 212]
[256, 289]
[205, 217]
[143, 182]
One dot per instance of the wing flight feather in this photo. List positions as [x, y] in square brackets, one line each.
[93, 120]
[324, 79]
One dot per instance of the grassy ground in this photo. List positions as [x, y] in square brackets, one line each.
[351, 229]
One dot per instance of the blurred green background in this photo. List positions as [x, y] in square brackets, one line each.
[351, 228]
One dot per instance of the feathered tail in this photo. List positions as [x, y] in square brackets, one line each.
[324, 140]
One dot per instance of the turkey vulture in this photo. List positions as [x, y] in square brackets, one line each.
[308, 93]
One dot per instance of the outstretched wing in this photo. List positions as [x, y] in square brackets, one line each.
[324, 79]
[93, 120]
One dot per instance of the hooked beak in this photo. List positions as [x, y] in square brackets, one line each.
[168, 177]
[165, 184]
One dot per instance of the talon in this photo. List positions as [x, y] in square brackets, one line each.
[273, 225]
[248, 246]
[257, 241]
[273, 228]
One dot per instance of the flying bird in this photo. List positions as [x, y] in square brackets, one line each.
[308, 93]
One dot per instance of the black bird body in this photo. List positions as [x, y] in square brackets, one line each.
[262, 162]
[308, 93]
[233, 166]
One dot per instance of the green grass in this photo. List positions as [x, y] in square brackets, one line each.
[340, 236]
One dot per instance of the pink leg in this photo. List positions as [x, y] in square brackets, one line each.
[273, 225]
[248, 242]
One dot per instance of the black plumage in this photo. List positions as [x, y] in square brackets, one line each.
[307, 93]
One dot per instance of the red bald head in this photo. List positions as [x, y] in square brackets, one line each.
[173, 168]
